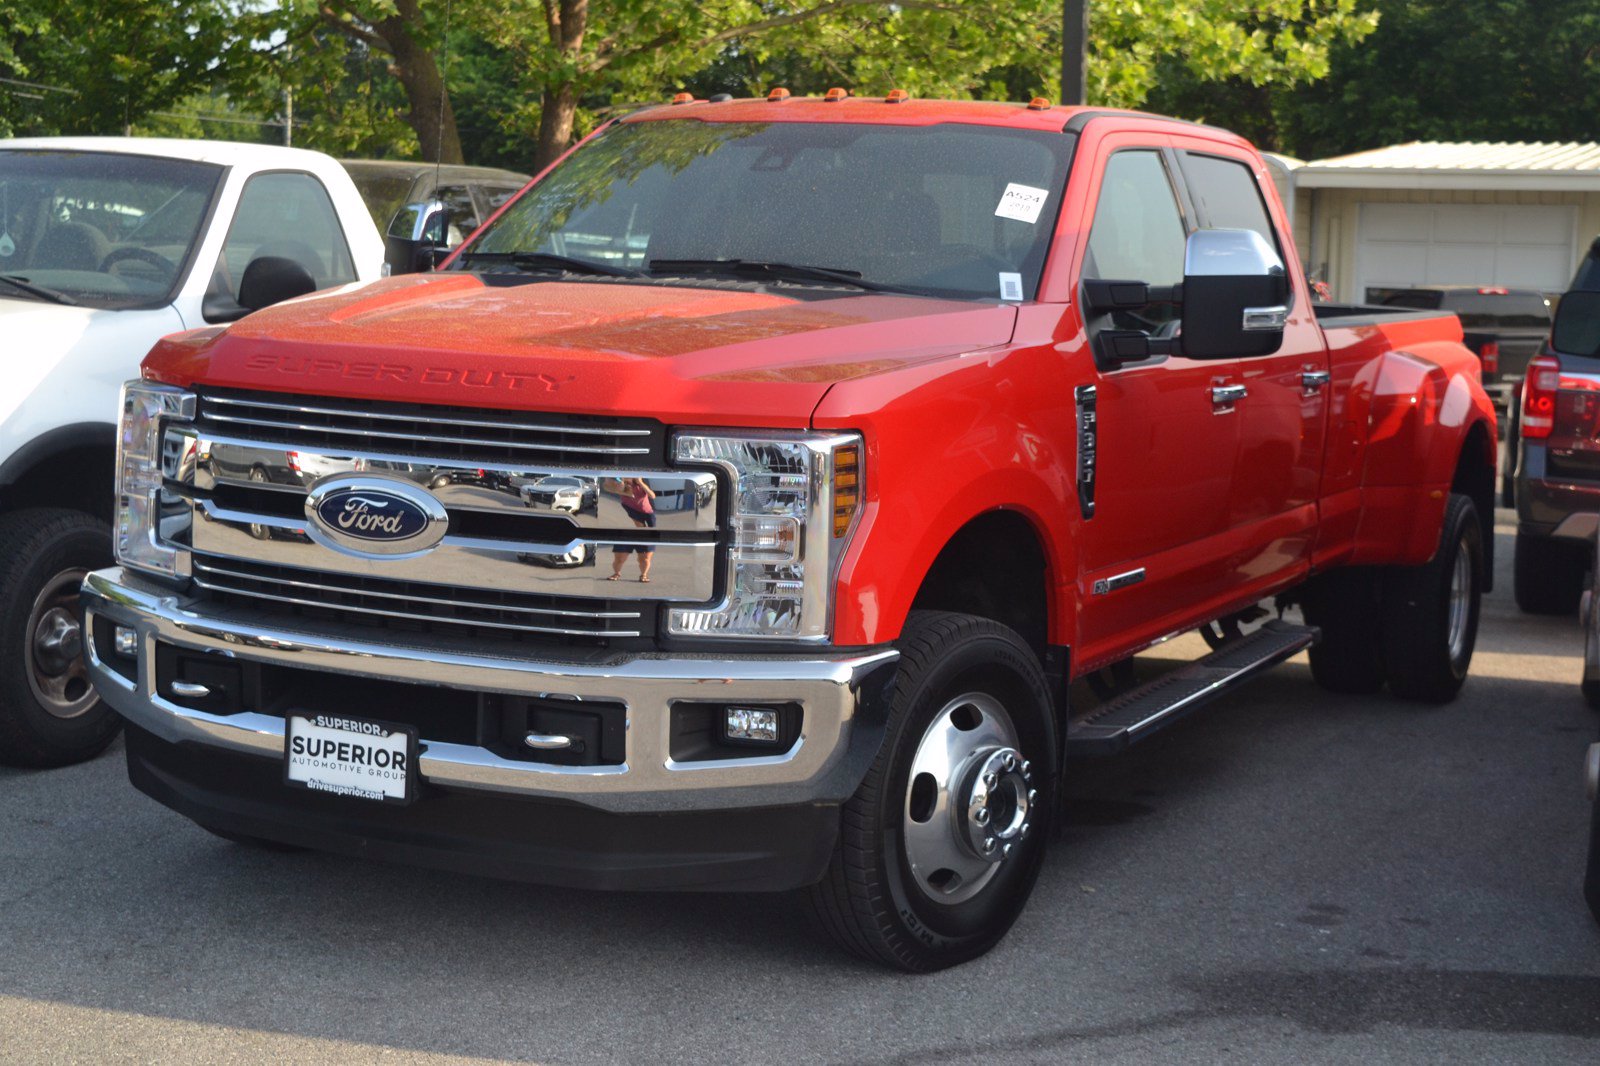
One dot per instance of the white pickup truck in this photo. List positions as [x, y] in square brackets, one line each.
[106, 245]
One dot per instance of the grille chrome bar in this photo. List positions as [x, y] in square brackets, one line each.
[453, 420]
[581, 449]
[465, 434]
[209, 569]
[510, 617]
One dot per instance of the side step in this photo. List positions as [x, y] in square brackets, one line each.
[1131, 717]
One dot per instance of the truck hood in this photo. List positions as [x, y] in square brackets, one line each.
[676, 353]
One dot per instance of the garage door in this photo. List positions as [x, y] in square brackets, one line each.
[1517, 246]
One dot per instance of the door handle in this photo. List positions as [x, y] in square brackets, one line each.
[1312, 380]
[1227, 395]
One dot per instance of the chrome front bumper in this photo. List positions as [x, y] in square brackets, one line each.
[843, 701]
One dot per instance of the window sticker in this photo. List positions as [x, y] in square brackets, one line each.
[1022, 202]
[1011, 287]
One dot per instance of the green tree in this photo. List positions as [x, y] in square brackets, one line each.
[1450, 70]
[337, 42]
[101, 67]
[1455, 70]
[576, 51]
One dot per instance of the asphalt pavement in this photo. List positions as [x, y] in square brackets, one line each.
[1291, 876]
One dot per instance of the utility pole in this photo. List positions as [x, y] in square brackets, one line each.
[288, 105]
[1074, 50]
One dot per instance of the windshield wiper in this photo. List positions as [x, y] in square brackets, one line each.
[551, 261]
[39, 291]
[766, 268]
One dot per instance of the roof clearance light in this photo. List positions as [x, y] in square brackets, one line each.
[1494, 290]
[778, 96]
[897, 96]
[683, 98]
[835, 95]
[1038, 103]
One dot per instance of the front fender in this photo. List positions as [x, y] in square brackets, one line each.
[945, 444]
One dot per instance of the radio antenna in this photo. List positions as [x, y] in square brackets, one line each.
[444, 98]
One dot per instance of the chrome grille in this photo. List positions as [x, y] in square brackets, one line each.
[409, 606]
[466, 434]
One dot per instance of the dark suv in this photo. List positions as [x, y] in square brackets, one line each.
[470, 194]
[1557, 452]
[1506, 327]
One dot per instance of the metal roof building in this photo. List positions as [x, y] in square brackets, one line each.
[1426, 212]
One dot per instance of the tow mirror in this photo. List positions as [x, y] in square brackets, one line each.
[1235, 295]
[271, 279]
[415, 242]
[267, 280]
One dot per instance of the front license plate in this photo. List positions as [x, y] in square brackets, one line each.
[354, 757]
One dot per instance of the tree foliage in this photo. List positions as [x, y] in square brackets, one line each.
[1448, 70]
[527, 76]
[100, 67]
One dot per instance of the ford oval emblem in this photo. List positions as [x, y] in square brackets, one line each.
[368, 515]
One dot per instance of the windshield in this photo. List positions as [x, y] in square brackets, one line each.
[948, 210]
[98, 228]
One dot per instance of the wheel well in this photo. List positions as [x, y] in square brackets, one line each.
[1475, 479]
[81, 478]
[994, 568]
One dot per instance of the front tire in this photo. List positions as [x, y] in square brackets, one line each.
[940, 846]
[1430, 621]
[49, 713]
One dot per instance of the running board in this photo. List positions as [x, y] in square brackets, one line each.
[1131, 717]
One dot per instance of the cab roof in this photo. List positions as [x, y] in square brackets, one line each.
[225, 153]
[909, 112]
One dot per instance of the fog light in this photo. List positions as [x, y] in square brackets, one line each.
[756, 724]
[126, 642]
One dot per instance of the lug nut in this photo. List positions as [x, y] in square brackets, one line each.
[988, 845]
[1022, 831]
[990, 780]
[1027, 768]
[981, 816]
[1005, 852]
[1033, 795]
[1009, 763]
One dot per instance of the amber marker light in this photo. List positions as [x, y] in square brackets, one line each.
[897, 96]
[777, 96]
[683, 98]
[835, 95]
[846, 487]
[1038, 103]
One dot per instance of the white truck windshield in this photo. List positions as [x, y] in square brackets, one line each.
[100, 229]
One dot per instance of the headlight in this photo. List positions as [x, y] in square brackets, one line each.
[141, 500]
[795, 498]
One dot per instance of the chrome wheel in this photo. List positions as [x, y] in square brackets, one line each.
[969, 799]
[56, 670]
[1460, 602]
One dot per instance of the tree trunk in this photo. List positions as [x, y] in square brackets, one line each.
[556, 115]
[431, 116]
[567, 22]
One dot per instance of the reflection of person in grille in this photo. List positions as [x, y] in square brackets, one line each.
[636, 497]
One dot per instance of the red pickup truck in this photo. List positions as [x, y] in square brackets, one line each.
[737, 508]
